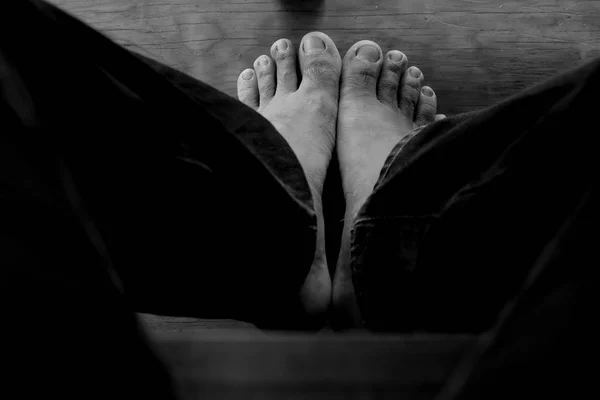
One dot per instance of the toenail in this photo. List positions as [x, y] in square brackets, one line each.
[427, 91]
[368, 52]
[415, 72]
[396, 56]
[263, 61]
[247, 74]
[282, 45]
[313, 45]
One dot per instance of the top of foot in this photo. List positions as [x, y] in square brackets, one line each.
[382, 100]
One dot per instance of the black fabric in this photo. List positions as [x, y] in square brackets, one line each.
[487, 223]
[201, 204]
[545, 341]
[461, 214]
[128, 186]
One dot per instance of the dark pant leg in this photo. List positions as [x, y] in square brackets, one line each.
[126, 186]
[464, 210]
[487, 222]
[544, 343]
[202, 206]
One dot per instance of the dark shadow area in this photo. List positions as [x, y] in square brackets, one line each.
[309, 6]
[302, 13]
[334, 206]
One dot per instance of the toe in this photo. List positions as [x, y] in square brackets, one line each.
[426, 107]
[410, 91]
[394, 65]
[361, 68]
[247, 88]
[320, 62]
[284, 54]
[265, 75]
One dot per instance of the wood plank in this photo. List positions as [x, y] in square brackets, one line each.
[472, 52]
[232, 364]
[163, 324]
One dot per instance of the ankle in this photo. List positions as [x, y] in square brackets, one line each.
[352, 210]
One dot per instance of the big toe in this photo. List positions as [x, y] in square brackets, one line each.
[361, 69]
[320, 63]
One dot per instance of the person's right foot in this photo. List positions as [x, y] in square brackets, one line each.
[381, 101]
[303, 108]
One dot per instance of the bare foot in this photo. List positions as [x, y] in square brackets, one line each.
[381, 101]
[304, 111]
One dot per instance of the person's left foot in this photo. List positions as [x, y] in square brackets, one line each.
[381, 102]
[304, 111]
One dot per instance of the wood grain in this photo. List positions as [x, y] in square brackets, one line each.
[472, 52]
[166, 324]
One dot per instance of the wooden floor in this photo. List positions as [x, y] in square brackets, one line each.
[472, 52]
